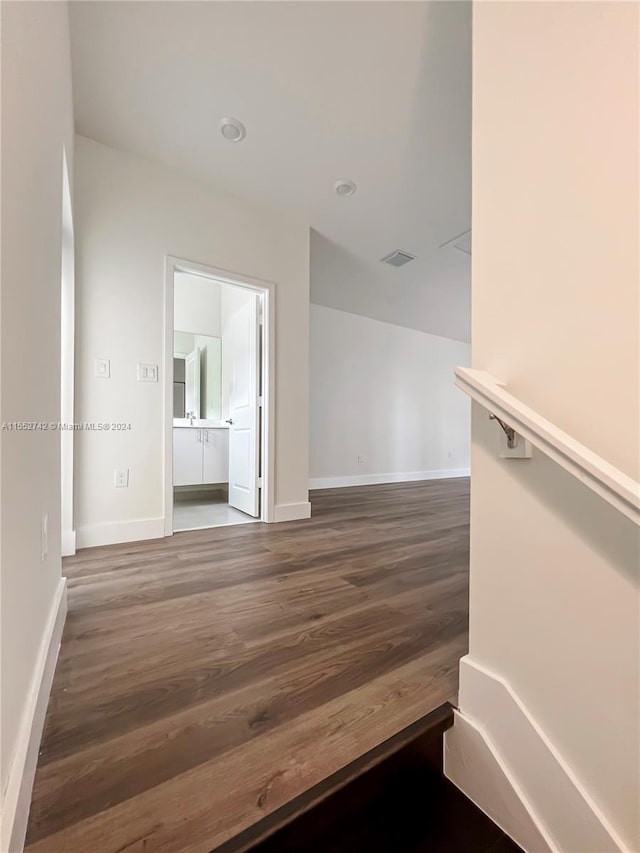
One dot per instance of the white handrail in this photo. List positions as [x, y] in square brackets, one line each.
[618, 489]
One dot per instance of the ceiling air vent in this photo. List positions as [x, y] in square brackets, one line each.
[398, 258]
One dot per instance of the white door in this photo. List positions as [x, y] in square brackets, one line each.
[241, 347]
[192, 384]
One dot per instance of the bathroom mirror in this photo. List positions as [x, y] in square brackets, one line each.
[197, 376]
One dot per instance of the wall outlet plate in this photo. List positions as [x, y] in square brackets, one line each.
[121, 478]
[147, 372]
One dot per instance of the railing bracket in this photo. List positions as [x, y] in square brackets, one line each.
[508, 431]
[533, 430]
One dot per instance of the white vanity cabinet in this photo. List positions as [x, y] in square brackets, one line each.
[215, 455]
[187, 456]
[200, 455]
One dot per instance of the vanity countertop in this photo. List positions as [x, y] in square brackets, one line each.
[198, 423]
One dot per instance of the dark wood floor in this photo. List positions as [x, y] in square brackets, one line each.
[206, 679]
[394, 799]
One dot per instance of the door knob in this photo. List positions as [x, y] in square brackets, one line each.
[229, 421]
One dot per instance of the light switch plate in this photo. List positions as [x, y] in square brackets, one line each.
[103, 368]
[147, 372]
[44, 536]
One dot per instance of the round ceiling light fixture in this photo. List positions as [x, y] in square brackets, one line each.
[232, 129]
[344, 188]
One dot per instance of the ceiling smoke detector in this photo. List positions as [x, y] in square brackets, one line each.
[232, 129]
[344, 188]
[398, 258]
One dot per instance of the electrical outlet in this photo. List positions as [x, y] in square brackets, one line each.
[360, 458]
[121, 478]
[44, 536]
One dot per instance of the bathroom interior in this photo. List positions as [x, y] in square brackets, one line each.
[210, 360]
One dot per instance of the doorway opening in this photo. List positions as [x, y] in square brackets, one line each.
[218, 395]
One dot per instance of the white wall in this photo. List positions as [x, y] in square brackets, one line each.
[554, 570]
[130, 214]
[384, 393]
[37, 124]
[196, 305]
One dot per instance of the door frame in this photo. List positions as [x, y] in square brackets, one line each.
[67, 364]
[267, 442]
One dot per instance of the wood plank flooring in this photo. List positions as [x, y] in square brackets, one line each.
[394, 799]
[206, 679]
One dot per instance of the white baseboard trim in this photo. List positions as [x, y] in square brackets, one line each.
[68, 543]
[473, 764]
[112, 532]
[292, 512]
[567, 816]
[17, 799]
[379, 479]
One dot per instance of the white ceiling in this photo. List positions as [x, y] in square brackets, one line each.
[375, 92]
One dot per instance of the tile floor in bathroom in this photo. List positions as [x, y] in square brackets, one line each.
[200, 510]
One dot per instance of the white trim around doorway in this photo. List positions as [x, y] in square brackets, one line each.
[268, 291]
